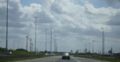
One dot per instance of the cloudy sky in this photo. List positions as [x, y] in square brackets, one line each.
[75, 24]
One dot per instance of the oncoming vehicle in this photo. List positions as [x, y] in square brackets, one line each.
[66, 56]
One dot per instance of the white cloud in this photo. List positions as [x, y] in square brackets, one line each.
[85, 16]
[69, 20]
[32, 9]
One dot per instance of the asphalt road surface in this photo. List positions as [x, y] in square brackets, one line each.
[58, 59]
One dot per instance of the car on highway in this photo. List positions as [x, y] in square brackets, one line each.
[66, 56]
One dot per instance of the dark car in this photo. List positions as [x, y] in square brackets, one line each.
[66, 56]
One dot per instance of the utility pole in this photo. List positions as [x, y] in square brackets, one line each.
[103, 41]
[27, 42]
[93, 46]
[7, 25]
[89, 47]
[31, 45]
[55, 42]
[86, 50]
[55, 45]
[46, 40]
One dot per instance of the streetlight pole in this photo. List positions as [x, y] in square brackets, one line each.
[55, 42]
[7, 25]
[93, 46]
[51, 40]
[27, 42]
[31, 44]
[55, 45]
[46, 40]
[35, 33]
[103, 42]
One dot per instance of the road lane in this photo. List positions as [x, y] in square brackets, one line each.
[78, 59]
[71, 60]
[47, 59]
[58, 59]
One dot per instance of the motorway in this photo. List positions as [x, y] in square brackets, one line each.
[58, 59]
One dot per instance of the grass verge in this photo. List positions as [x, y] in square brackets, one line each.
[102, 58]
[17, 58]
